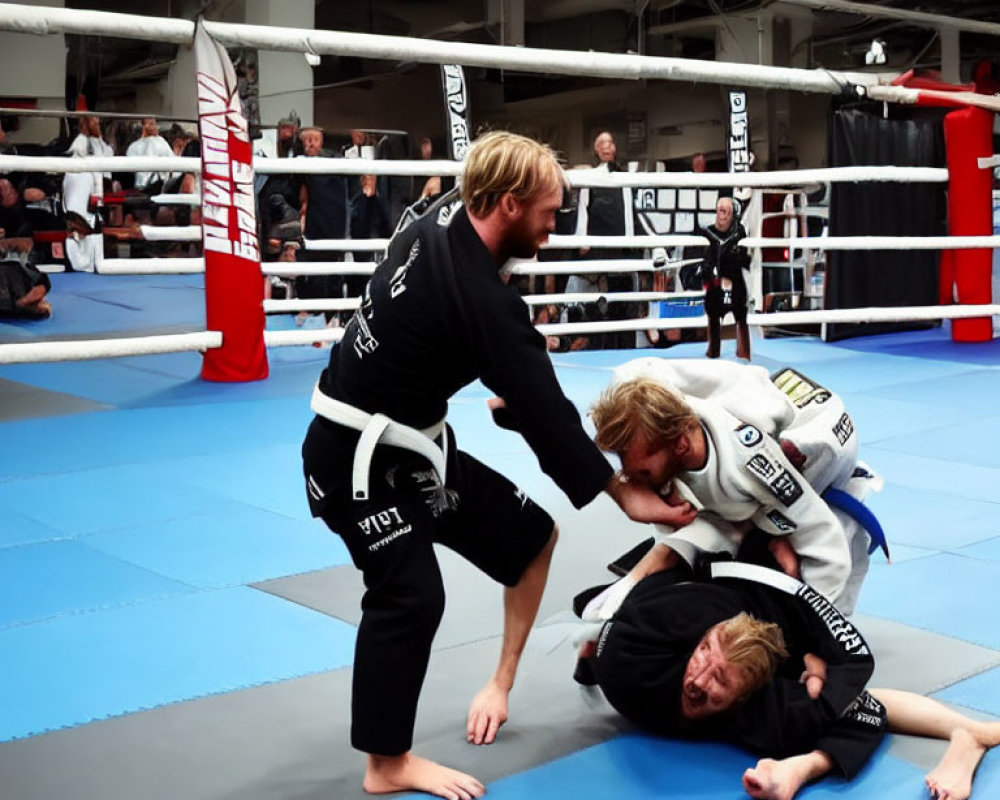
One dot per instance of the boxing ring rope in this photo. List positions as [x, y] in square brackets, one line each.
[34, 20]
[37, 352]
[30, 19]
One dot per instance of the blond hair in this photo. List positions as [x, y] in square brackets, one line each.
[501, 162]
[756, 647]
[639, 406]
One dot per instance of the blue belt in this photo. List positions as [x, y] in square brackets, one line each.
[858, 511]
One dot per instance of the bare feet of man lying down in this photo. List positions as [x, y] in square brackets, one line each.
[408, 772]
[781, 780]
[951, 779]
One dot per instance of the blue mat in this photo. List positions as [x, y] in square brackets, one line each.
[930, 519]
[76, 669]
[943, 593]
[19, 530]
[968, 441]
[86, 303]
[981, 692]
[988, 550]
[639, 767]
[56, 578]
[957, 479]
[268, 477]
[233, 544]
[76, 503]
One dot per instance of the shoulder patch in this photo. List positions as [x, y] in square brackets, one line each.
[844, 428]
[761, 465]
[786, 488]
[780, 521]
[748, 435]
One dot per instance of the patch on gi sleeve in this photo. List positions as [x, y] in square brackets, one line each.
[780, 521]
[786, 488]
[843, 429]
[761, 465]
[748, 435]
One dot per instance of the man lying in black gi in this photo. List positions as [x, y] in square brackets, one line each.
[383, 469]
[754, 657]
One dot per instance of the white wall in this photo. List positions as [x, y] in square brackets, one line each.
[34, 67]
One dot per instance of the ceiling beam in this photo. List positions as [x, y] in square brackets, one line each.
[919, 18]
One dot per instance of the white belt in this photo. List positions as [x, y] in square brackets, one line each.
[758, 574]
[379, 429]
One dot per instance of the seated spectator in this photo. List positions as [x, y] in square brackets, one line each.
[13, 219]
[80, 187]
[150, 143]
[84, 247]
[22, 287]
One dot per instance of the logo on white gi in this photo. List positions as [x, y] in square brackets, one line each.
[843, 429]
[762, 466]
[780, 521]
[785, 488]
[749, 435]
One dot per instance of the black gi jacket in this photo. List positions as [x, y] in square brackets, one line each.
[643, 652]
[436, 316]
[724, 258]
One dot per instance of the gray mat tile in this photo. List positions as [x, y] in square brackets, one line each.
[21, 401]
[289, 741]
[589, 539]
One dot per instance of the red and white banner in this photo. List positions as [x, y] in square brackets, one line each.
[234, 295]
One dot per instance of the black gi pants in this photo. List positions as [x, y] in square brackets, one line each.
[479, 514]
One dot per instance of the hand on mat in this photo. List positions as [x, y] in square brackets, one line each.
[607, 602]
[487, 713]
[814, 676]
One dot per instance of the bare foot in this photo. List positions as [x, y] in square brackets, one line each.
[769, 781]
[951, 779]
[408, 772]
[781, 780]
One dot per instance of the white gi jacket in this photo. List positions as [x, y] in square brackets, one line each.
[747, 480]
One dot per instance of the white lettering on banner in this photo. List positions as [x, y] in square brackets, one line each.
[211, 95]
[216, 192]
[227, 180]
[454, 83]
[217, 214]
[739, 145]
[217, 240]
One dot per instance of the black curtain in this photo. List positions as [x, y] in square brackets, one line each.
[885, 278]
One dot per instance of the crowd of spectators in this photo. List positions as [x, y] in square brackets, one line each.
[72, 218]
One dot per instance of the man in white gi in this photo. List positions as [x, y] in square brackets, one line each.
[707, 432]
[150, 143]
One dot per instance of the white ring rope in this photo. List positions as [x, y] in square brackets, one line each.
[31, 19]
[37, 352]
[577, 177]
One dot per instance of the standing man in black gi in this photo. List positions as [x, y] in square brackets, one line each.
[723, 279]
[383, 469]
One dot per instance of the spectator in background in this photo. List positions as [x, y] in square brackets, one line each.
[324, 213]
[433, 185]
[698, 163]
[288, 136]
[80, 187]
[150, 143]
[607, 212]
[22, 286]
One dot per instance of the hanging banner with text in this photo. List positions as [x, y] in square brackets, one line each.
[456, 109]
[738, 141]
[233, 280]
